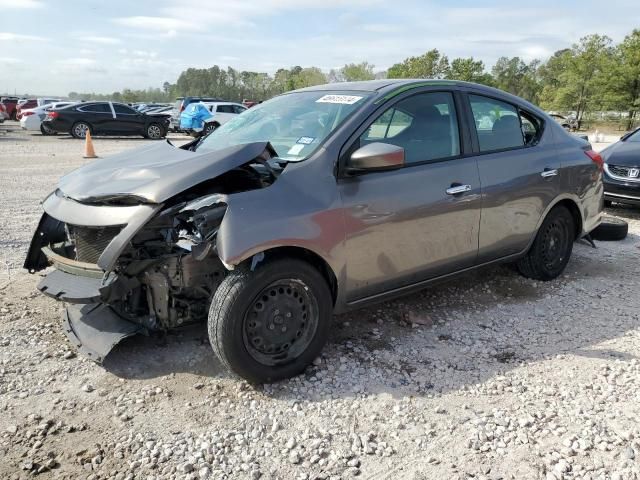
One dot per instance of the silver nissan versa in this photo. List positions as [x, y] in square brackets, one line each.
[315, 202]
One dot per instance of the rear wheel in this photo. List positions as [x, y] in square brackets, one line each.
[551, 250]
[80, 129]
[46, 130]
[270, 323]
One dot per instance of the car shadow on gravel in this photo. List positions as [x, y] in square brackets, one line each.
[450, 336]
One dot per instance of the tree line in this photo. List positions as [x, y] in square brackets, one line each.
[594, 74]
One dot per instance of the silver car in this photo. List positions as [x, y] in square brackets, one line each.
[318, 201]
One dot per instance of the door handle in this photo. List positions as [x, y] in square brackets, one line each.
[549, 173]
[457, 189]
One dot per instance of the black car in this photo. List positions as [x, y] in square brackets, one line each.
[105, 118]
[622, 170]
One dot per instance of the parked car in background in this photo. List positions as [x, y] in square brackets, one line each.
[3, 113]
[25, 105]
[569, 123]
[10, 104]
[219, 114]
[145, 107]
[46, 101]
[622, 170]
[315, 202]
[32, 118]
[160, 110]
[105, 118]
[179, 106]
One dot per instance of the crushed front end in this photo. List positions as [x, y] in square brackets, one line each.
[126, 264]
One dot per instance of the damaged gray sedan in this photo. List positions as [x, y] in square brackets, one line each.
[315, 202]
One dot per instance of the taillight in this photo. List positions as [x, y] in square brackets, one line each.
[182, 108]
[595, 158]
[26, 114]
[53, 115]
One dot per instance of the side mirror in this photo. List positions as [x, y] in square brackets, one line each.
[375, 157]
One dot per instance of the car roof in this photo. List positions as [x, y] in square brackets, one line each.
[394, 84]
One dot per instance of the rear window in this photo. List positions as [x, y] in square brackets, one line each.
[95, 108]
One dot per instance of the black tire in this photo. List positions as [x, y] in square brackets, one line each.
[611, 229]
[247, 305]
[79, 130]
[551, 250]
[46, 130]
[154, 131]
[208, 128]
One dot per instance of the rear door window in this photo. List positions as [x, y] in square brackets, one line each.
[238, 109]
[497, 124]
[95, 108]
[225, 109]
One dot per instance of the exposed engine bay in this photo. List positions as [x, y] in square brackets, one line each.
[166, 272]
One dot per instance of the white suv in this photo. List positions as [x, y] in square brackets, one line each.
[222, 112]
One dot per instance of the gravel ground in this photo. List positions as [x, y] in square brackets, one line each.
[488, 376]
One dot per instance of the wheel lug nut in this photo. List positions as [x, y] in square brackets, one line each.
[284, 329]
[288, 315]
[272, 326]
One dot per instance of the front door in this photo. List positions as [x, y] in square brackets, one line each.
[420, 221]
[519, 174]
[128, 121]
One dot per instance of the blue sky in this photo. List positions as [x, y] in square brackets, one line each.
[58, 46]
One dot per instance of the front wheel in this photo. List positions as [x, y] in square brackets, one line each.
[551, 250]
[154, 132]
[208, 128]
[270, 323]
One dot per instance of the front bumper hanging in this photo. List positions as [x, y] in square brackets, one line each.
[95, 329]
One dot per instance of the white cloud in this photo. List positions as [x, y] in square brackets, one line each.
[9, 37]
[77, 62]
[100, 40]
[10, 60]
[22, 4]
[157, 23]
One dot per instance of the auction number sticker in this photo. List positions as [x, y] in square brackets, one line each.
[342, 99]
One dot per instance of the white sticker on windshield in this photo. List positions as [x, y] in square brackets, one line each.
[343, 99]
[296, 149]
[306, 140]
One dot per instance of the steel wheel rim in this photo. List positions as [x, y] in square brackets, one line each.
[81, 130]
[280, 323]
[554, 244]
[154, 131]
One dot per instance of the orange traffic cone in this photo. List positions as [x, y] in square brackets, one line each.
[89, 152]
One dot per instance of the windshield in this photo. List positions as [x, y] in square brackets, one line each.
[295, 124]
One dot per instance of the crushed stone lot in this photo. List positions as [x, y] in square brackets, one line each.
[487, 376]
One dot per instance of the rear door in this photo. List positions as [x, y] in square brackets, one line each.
[98, 115]
[518, 170]
[420, 221]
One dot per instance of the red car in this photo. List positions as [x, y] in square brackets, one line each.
[31, 103]
[10, 106]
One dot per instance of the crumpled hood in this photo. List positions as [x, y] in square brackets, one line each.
[623, 153]
[155, 172]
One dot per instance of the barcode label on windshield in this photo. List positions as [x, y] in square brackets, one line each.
[343, 99]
